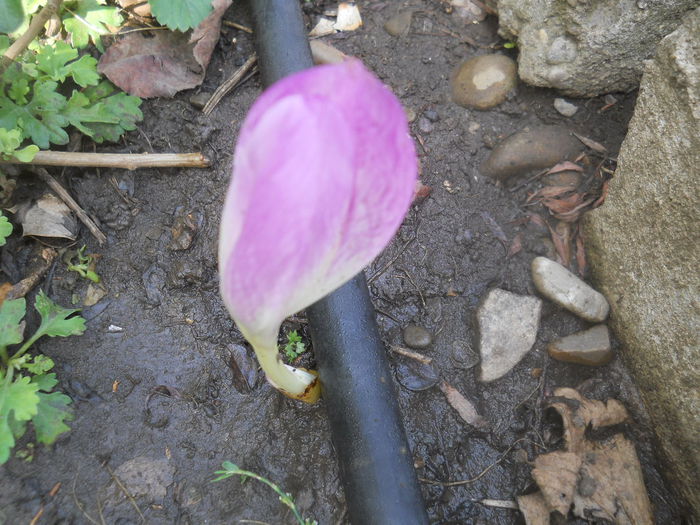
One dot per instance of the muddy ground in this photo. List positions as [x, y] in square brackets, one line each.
[176, 403]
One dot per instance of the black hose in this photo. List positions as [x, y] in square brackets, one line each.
[376, 466]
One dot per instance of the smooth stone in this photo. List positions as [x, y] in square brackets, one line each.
[416, 376]
[417, 337]
[565, 108]
[463, 356]
[424, 125]
[410, 114]
[564, 178]
[483, 82]
[562, 287]
[531, 149]
[145, 477]
[199, 100]
[431, 115]
[508, 326]
[589, 347]
[399, 24]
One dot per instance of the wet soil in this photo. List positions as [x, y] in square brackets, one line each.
[162, 388]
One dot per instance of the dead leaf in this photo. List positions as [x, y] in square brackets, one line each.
[164, 62]
[463, 406]
[563, 204]
[534, 509]
[421, 191]
[495, 228]
[537, 219]
[574, 213]
[516, 244]
[564, 166]
[47, 217]
[580, 255]
[603, 194]
[595, 146]
[561, 237]
[556, 474]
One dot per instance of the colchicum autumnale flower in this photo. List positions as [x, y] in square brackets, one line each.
[324, 172]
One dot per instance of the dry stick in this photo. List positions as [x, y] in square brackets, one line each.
[70, 202]
[24, 286]
[128, 161]
[229, 84]
[410, 353]
[472, 480]
[80, 506]
[125, 491]
[37, 24]
[238, 26]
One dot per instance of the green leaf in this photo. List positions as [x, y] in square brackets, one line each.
[4, 44]
[55, 321]
[39, 365]
[19, 400]
[123, 108]
[11, 314]
[180, 14]
[45, 382]
[52, 60]
[26, 154]
[84, 71]
[11, 15]
[18, 90]
[87, 20]
[52, 413]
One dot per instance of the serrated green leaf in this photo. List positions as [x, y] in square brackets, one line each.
[11, 15]
[11, 314]
[18, 90]
[180, 15]
[5, 231]
[80, 112]
[87, 20]
[4, 44]
[52, 413]
[18, 428]
[84, 71]
[55, 321]
[122, 107]
[26, 154]
[39, 365]
[53, 60]
[18, 399]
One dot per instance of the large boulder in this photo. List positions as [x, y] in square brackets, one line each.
[588, 47]
[643, 246]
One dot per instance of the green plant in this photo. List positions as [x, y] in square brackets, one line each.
[180, 15]
[510, 45]
[294, 345]
[26, 382]
[5, 229]
[85, 266]
[33, 106]
[231, 469]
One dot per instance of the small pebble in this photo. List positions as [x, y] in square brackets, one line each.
[424, 125]
[410, 114]
[114, 329]
[417, 337]
[561, 286]
[431, 115]
[200, 100]
[416, 376]
[589, 347]
[483, 82]
[565, 108]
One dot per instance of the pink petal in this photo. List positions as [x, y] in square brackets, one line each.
[324, 172]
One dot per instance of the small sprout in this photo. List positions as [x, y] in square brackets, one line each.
[294, 346]
[5, 229]
[510, 45]
[85, 265]
[231, 469]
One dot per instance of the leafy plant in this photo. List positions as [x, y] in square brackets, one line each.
[87, 20]
[180, 15]
[5, 229]
[85, 266]
[26, 382]
[231, 469]
[11, 15]
[294, 345]
[32, 104]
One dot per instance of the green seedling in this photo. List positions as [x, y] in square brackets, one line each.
[5, 228]
[230, 469]
[510, 45]
[294, 346]
[26, 383]
[180, 15]
[85, 266]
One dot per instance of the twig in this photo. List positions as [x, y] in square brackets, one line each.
[129, 161]
[529, 180]
[229, 84]
[37, 516]
[238, 26]
[125, 491]
[35, 27]
[500, 503]
[472, 480]
[22, 288]
[410, 353]
[79, 505]
[70, 202]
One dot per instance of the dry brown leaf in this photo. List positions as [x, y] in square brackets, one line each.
[537, 219]
[603, 194]
[575, 213]
[595, 146]
[165, 62]
[534, 509]
[580, 255]
[563, 204]
[556, 474]
[561, 237]
[463, 406]
[564, 166]
[516, 244]
[421, 191]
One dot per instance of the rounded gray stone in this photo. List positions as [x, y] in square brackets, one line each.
[399, 24]
[416, 336]
[562, 287]
[483, 82]
[565, 108]
[589, 347]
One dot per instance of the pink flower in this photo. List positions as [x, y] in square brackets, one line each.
[324, 172]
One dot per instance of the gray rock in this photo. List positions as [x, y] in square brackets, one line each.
[424, 125]
[587, 48]
[643, 248]
[565, 108]
[531, 149]
[590, 347]
[417, 337]
[199, 100]
[508, 326]
[561, 286]
[399, 24]
[416, 376]
[483, 82]
[146, 477]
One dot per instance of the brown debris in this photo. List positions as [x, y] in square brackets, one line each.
[463, 406]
